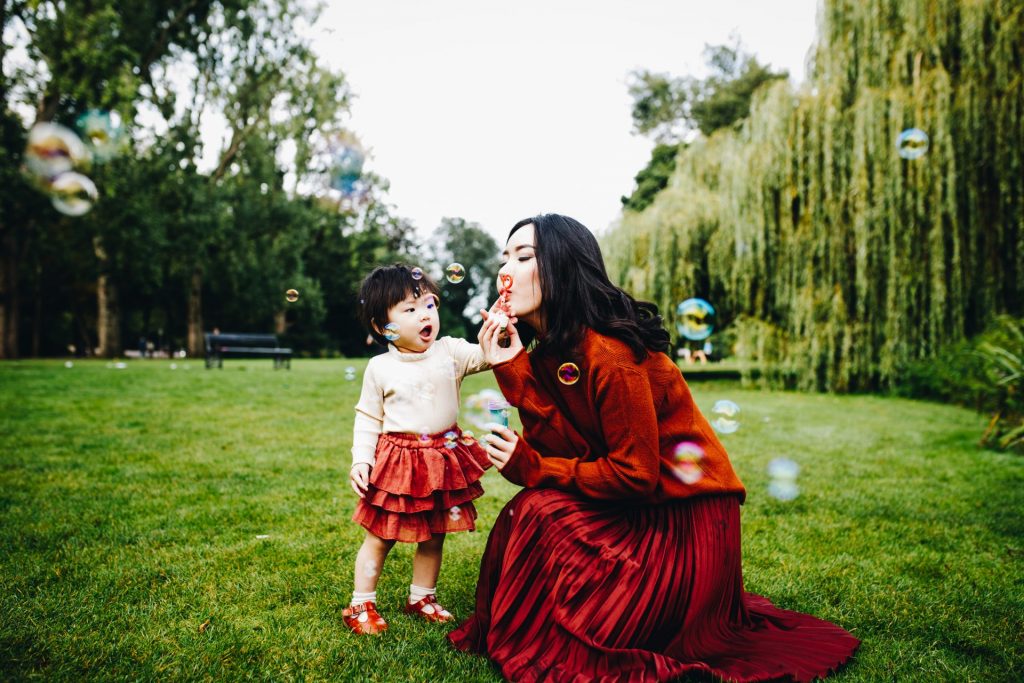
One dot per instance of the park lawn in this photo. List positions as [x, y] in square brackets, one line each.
[131, 501]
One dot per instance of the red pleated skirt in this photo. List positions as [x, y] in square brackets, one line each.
[422, 485]
[578, 590]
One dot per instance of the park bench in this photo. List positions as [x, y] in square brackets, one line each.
[245, 346]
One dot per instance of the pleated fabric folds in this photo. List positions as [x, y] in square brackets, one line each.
[422, 485]
[575, 590]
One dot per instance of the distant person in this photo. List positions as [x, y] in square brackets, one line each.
[415, 472]
[615, 562]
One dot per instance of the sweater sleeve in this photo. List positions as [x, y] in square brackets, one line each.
[468, 358]
[629, 428]
[369, 423]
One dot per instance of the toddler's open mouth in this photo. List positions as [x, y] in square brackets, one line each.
[426, 332]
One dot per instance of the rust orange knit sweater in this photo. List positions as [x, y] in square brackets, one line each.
[612, 434]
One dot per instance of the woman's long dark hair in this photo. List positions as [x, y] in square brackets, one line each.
[576, 292]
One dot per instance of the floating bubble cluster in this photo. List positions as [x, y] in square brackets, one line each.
[455, 273]
[783, 473]
[696, 319]
[912, 144]
[725, 416]
[687, 456]
[568, 373]
[51, 155]
[477, 411]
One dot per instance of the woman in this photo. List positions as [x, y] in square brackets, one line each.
[613, 564]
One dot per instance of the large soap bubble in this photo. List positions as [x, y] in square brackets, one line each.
[695, 319]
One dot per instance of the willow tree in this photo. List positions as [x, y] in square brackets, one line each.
[834, 260]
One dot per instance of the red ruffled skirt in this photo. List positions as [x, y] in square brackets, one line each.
[419, 486]
[577, 590]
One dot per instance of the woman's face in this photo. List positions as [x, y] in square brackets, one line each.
[520, 261]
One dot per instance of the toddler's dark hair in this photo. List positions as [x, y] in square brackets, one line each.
[385, 287]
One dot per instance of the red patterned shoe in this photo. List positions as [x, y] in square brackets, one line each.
[364, 619]
[428, 608]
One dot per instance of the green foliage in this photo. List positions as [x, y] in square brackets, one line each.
[668, 108]
[132, 501]
[986, 373]
[653, 178]
[460, 241]
[842, 261]
[173, 247]
[723, 99]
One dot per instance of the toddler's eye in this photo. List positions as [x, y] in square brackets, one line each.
[430, 305]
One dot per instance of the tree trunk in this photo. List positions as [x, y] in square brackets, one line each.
[37, 312]
[195, 314]
[9, 296]
[108, 321]
[280, 322]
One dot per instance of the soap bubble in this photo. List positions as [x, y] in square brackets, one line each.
[68, 364]
[696, 319]
[686, 466]
[53, 149]
[568, 373]
[455, 273]
[783, 473]
[912, 144]
[347, 158]
[370, 568]
[455, 513]
[174, 366]
[391, 332]
[73, 194]
[424, 435]
[417, 273]
[783, 490]
[102, 130]
[467, 437]
[350, 373]
[725, 414]
[292, 295]
[500, 411]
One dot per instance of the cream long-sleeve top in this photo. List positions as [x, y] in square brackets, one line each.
[412, 393]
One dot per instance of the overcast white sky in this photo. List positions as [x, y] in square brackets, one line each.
[497, 111]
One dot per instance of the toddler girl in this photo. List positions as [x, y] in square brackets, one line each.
[416, 473]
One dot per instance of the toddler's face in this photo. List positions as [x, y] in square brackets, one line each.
[418, 322]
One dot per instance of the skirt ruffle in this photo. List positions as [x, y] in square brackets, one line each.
[420, 486]
[574, 590]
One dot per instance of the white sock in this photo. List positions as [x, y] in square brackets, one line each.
[417, 593]
[360, 598]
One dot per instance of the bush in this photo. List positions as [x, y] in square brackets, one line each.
[986, 373]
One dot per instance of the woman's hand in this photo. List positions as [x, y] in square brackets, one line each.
[499, 444]
[359, 477]
[490, 335]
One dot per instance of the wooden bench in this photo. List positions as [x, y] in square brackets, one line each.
[245, 346]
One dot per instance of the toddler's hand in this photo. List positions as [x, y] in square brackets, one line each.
[359, 477]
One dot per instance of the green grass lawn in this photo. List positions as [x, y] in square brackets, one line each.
[132, 502]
